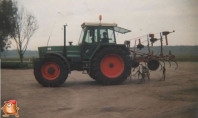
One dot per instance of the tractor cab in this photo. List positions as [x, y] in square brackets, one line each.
[93, 35]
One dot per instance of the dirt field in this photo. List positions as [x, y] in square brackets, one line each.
[80, 96]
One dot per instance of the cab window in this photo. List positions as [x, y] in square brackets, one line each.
[107, 34]
[91, 36]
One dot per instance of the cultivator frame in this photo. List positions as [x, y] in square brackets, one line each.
[150, 61]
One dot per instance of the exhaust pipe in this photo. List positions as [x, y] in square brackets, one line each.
[64, 48]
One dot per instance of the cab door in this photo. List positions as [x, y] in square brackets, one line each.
[90, 42]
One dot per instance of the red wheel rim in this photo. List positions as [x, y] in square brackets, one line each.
[112, 66]
[50, 71]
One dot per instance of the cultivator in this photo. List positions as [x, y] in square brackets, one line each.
[150, 61]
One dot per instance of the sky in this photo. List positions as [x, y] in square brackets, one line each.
[140, 16]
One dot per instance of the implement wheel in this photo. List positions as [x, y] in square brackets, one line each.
[111, 65]
[50, 71]
[153, 64]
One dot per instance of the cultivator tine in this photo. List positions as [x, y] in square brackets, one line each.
[175, 63]
[163, 62]
[142, 79]
[140, 73]
[168, 62]
[145, 72]
[171, 58]
[137, 72]
[164, 73]
[163, 68]
[148, 73]
[160, 65]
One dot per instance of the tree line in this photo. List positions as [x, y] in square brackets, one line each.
[176, 50]
[16, 25]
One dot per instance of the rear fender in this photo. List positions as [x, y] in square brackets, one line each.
[110, 45]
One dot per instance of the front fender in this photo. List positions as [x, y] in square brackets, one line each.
[61, 56]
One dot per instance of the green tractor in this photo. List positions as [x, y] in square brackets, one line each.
[96, 54]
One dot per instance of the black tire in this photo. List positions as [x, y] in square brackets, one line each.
[90, 74]
[134, 64]
[153, 64]
[102, 53]
[59, 78]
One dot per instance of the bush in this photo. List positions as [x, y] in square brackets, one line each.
[16, 65]
[190, 58]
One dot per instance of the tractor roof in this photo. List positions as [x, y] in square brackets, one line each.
[97, 24]
[117, 29]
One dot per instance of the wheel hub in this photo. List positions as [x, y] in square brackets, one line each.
[51, 70]
[153, 64]
[111, 65]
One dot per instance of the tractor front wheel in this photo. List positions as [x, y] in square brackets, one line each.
[111, 65]
[50, 71]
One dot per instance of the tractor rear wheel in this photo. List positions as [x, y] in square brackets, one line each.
[134, 64]
[90, 74]
[111, 65]
[50, 71]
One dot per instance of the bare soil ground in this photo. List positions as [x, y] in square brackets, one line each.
[82, 97]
